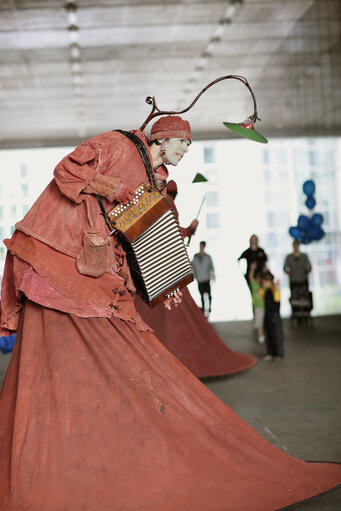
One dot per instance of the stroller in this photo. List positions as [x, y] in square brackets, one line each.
[301, 301]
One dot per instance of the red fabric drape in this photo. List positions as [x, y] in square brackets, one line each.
[96, 415]
[187, 334]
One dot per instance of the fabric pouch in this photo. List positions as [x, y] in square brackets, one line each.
[93, 259]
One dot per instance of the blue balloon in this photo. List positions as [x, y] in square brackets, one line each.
[305, 239]
[320, 234]
[316, 219]
[294, 232]
[303, 222]
[6, 343]
[316, 233]
[310, 202]
[309, 187]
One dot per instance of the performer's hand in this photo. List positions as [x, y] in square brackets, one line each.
[124, 193]
[193, 226]
[173, 301]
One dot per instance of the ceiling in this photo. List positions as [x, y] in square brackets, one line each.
[70, 70]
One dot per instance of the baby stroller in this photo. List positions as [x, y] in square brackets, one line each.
[301, 301]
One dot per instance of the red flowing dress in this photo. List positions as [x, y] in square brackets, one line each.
[187, 334]
[96, 414]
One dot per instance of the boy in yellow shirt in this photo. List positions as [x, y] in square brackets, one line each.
[256, 284]
[272, 320]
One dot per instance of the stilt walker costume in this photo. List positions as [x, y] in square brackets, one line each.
[96, 414]
[187, 334]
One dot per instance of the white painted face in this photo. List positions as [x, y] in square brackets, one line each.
[175, 148]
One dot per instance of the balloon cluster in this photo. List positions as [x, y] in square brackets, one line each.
[308, 229]
[7, 343]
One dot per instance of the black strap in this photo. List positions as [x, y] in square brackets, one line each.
[104, 213]
[143, 153]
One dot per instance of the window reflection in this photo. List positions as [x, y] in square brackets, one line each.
[212, 221]
[209, 155]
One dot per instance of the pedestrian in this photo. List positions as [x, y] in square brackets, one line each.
[297, 266]
[256, 284]
[203, 271]
[253, 254]
[272, 320]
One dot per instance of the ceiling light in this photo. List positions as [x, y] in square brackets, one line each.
[75, 51]
[246, 129]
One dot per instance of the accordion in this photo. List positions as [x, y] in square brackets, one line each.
[152, 240]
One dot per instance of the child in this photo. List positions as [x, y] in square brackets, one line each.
[256, 284]
[272, 319]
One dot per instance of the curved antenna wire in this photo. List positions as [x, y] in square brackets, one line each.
[155, 112]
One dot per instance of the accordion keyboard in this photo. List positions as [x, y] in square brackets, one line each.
[155, 249]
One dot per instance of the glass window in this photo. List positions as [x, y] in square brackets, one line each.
[23, 169]
[2, 253]
[2, 232]
[300, 157]
[312, 158]
[12, 229]
[12, 211]
[272, 240]
[25, 208]
[212, 221]
[325, 277]
[1, 212]
[211, 175]
[281, 157]
[276, 218]
[212, 199]
[283, 176]
[24, 190]
[266, 156]
[267, 176]
[325, 157]
[209, 155]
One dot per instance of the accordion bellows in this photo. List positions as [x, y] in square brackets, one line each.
[151, 237]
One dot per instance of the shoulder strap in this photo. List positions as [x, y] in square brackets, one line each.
[143, 153]
[103, 212]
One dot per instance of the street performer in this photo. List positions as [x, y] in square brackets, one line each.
[96, 414]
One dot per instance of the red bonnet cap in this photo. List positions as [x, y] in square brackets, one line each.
[171, 126]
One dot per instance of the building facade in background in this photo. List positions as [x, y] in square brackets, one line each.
[255, 188]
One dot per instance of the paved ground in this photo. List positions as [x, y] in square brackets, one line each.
[296, 403]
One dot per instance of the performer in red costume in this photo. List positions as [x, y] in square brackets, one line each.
[186, 332]
[96, 414]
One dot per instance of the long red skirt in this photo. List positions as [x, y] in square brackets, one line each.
[187, 334]
[98, 416]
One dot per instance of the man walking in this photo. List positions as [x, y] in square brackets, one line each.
[203, 271]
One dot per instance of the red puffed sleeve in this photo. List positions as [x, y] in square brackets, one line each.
[76, 170]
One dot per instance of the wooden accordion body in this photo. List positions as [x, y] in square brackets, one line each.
[151, 237]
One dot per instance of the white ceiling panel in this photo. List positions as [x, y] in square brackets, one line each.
[71, 69]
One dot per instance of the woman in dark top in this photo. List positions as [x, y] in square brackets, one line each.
[253, 254]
